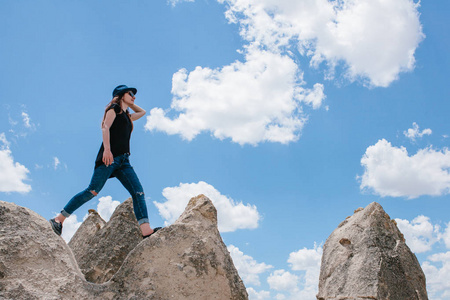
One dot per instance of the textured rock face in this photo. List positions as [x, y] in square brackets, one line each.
[85, 233]
[186, 260]
[34, 262]
[366, 258]
[100, 248]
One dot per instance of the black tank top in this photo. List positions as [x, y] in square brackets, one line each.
[119, 135]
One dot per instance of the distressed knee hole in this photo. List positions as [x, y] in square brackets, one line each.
[140, 193]
[94, 193]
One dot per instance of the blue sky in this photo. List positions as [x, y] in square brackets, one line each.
[288, 114]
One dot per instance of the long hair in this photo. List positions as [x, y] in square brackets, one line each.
[117, 100]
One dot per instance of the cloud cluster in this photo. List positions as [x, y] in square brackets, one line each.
[420, 234]
[249, 102]
[70, 226]
[106, 207]
[413, 133]
[374, 39]
[249, 269]
[436, 266]
[260, 99]
[390, 171]
[282, 280]
[307, 260]
[437, 272]
[283, 284]
[255, 295]
[231, 215]
[12, 175]
[446, 236]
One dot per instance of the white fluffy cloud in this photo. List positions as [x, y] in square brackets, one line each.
[251, 102]
[106, 207]
[390, 171]
[420, 234]
[375, 39]
[70, 226]
[446, 236]
[437, 272]
[282, 280]
[12, 174]
[248, 268]
[259, 100]
[283, 284]
[413, 133]
[232, 215]
[307, 260]
[255, 295]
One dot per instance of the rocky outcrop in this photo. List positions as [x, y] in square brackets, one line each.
[100, 248]
[366, 258]
[187, 260]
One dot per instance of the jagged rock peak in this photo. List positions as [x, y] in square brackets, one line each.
[100, 248]
[366, 258]
[87, 230]
[199, 208]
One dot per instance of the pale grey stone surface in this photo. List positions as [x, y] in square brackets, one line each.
[366, 258]
[100, 248]
[187, 260]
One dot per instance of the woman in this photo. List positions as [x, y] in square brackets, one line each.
[112, 160]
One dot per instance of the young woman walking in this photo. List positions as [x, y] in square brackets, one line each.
[113, 160]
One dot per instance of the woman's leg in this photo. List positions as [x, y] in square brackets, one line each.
[101, 174]
[130, 181]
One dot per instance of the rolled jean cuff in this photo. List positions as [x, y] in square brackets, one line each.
[142, 221]
[65, 213]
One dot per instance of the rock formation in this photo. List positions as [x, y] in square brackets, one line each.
[366, 258]
[187, 260]
[100, 248]
[35, 263]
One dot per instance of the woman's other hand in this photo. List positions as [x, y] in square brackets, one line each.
[108, 158]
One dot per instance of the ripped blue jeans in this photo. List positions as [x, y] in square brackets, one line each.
[121, 169]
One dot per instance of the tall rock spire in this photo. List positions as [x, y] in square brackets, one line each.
[366, 258]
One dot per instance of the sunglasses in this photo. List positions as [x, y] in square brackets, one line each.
[131, 93]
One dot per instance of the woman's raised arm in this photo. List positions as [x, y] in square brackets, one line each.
[138, 112]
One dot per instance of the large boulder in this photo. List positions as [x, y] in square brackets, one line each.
[35, 263]
[100, 248]
[366, 258]
[187, 260]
